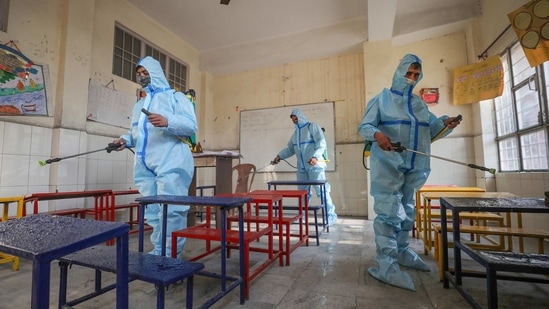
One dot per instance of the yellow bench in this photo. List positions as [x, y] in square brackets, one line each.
[436, 188]
[427, 214]
[6, 201]
[478, 218]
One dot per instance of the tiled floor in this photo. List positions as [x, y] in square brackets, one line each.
[332, 275]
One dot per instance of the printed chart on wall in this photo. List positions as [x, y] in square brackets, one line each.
[106, 105]
[264, 132]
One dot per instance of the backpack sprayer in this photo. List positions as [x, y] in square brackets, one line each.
[109, 148]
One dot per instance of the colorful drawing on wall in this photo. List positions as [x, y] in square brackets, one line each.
[24, 96]
[13, 61]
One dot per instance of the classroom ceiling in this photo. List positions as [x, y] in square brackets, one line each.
[250, 34]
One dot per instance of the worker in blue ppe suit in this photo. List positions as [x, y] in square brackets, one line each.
[163, 162]
[308, 144]
[397, 115]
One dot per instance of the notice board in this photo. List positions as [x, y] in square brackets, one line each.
[264, 132]
[109, 106]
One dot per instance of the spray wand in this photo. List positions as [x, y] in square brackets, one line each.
[109, 148]
[399, 148]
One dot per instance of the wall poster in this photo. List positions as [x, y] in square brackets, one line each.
[478, 81]
[25, 95]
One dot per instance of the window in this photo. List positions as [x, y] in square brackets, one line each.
[127, 52]
[129, 48]
[521, 114]
[4, 10]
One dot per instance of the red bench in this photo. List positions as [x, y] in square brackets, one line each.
[102, 207]
[131, 207]
[208, 232]
[101, 210]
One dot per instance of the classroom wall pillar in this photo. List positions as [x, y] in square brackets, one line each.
[375, 79]
[71, 105]
[76, 33]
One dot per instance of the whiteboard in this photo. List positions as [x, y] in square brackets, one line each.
[264, 132]
[106, 105]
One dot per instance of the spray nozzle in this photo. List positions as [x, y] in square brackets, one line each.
[48, 161]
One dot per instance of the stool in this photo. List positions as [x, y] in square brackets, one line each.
[159, 270]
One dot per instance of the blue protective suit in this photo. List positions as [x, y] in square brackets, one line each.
[306, 142]
[163, 163]
[395, 177]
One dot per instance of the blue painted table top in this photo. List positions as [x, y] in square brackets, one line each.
[195, 200]
[44, 237]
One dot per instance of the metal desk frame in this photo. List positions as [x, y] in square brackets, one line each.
[43, 238]
[320, 183]
[456, 205]
[225, 204]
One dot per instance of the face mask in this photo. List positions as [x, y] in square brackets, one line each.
[144, 81]
[410, 81]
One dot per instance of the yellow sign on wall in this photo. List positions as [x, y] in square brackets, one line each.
[479, 81]
[531, 24]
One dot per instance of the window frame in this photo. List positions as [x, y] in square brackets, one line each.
[538, 81]
[124, 55]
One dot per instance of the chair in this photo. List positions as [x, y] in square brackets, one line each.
[199, 210]
[245, 173]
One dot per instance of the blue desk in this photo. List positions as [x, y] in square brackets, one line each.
[303, 183]
[43, 238]
[527, 263]
[225, 204]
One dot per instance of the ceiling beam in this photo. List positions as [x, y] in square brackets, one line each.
[381, 19]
